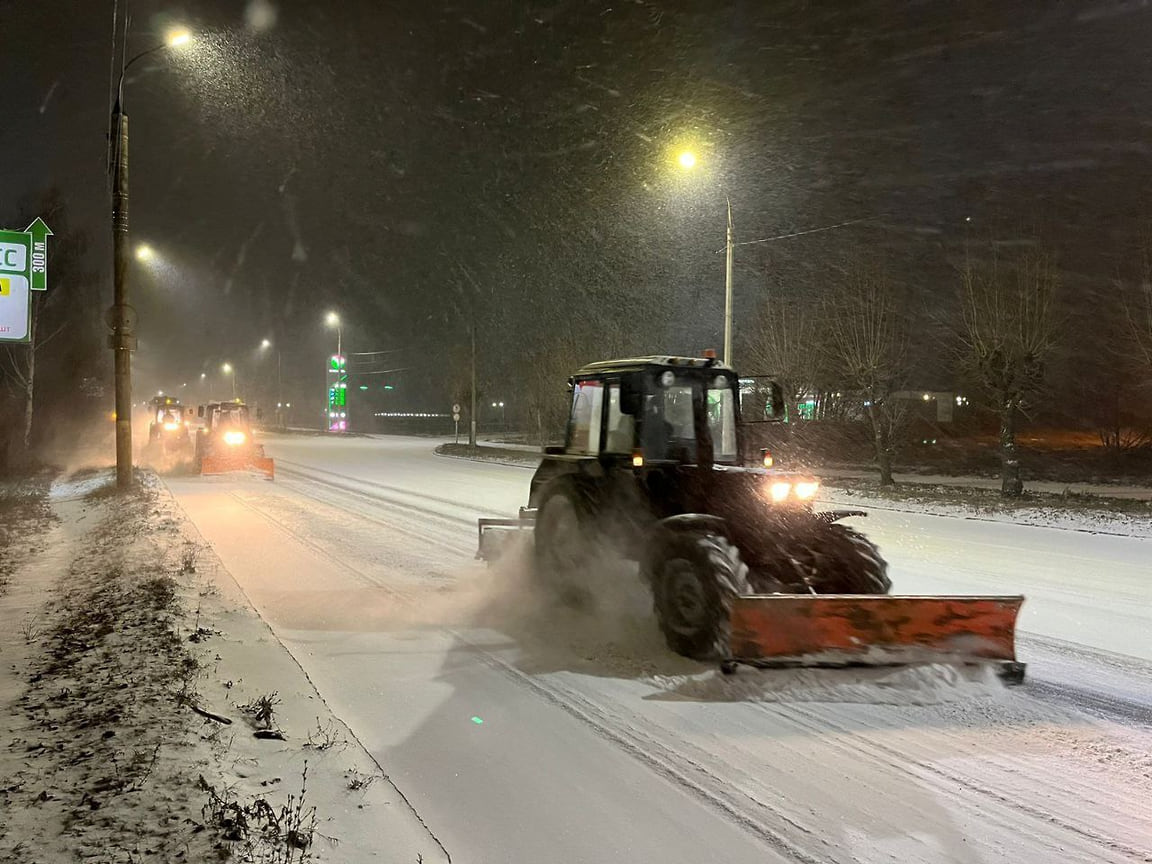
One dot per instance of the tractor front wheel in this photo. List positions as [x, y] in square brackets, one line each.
[847, 562]
[695, 577]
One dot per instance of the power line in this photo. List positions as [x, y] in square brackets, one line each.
[802, 233]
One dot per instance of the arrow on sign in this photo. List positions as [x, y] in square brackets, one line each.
[39, 264]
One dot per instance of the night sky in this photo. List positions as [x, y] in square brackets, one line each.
[417, 164]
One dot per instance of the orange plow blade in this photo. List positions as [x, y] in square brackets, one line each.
[868, 629]
[217, 464]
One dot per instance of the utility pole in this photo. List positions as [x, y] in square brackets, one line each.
[728, 290]
[279, 392]
[121, 317]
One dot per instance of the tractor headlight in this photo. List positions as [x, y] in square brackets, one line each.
[171, 427]
[805, 491]
[233, 438]
[779, 491]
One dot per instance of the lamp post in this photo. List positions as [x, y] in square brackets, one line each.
[687, 161]
[228, 370]
[337, 397]
[333, 320]
[121, 318]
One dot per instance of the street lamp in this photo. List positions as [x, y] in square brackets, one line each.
[122, 317]
[264, 346]
[228, 370]
[144, 252]
[333, 320]
[687, 161]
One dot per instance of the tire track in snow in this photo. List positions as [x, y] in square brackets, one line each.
[893, 759]
[374, 502]
[399, 495]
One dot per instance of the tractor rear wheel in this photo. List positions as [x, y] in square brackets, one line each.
[695, 577]
[566, 541]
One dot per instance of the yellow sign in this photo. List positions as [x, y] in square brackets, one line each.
[5, 287]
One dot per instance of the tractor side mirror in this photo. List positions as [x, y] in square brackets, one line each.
[200, 411]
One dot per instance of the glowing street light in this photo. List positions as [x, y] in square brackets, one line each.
[687, 160]
[267, 343]
[144, 252]
[178, 38]
[333, 320]
[228, 370]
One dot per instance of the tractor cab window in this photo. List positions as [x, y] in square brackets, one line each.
[584, 425]
[621, 428]
[721, 406]
[669, 431]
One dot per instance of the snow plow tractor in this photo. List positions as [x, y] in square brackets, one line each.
[741, 566]
[169, 439]
[224, 443]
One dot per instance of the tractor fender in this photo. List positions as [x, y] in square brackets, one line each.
[695, 522]
[831, 516]
[682, 523]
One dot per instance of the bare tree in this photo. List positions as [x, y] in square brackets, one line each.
[868, 341]
[789, 342]
[1008, 333]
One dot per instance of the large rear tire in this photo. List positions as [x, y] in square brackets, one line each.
[566, 542]
[695, 577]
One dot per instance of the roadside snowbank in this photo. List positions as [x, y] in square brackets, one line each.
[150, 715]
[1082, 517]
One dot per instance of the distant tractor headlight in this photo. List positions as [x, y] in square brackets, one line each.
[805, 491]
[233, 438]
[171, 427]
[779, 491]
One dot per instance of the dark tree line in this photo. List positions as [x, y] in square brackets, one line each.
[52, 389]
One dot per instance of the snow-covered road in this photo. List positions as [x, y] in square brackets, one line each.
[520, 734]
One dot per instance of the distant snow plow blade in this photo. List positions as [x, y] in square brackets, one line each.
[216, 464]
[875, 630]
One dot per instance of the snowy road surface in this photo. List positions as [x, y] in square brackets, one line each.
[523, 734]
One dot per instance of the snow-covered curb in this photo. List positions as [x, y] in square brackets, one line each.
[1091, 521]
[530, 459]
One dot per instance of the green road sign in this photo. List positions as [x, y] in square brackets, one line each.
[15, 299]
[38, 259]
[23, 269]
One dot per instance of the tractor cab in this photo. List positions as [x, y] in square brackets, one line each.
[166, 419]
[681, 410]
